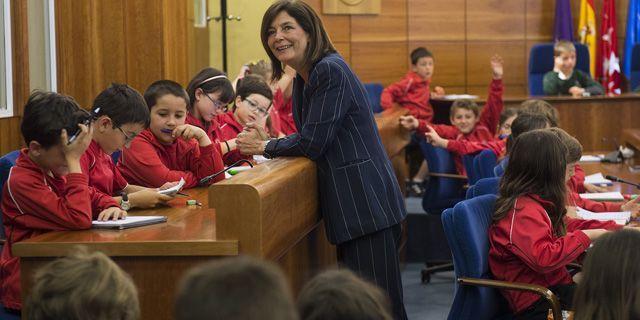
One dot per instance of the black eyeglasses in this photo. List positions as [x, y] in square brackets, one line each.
[254, 106]
[127, 138]
[219, 105]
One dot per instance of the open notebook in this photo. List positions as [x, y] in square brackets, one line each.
[128, 222]
[621, 217]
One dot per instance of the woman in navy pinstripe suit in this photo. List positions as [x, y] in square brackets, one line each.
[360, 200]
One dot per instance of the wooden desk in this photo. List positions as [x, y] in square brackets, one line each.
[631, 138]
[620, 170]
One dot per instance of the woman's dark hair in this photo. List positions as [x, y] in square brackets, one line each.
[122, 104]
[161, 88]
[319, 42]
[253, 85]
[210, 80]
[610, 286]
[525, 122]
[537, 165]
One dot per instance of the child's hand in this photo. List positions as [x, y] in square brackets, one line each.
[409, 122]
[557, 63]
[244, 70]
[187, 131]
[592, 188]
[75, 149]
[113, 213]
[594, 233]
[168, 185]
[632, 206]
[434, 138]
[148, 198]
[572, 212]
[576, 92]
[497, 66]
[438, 92]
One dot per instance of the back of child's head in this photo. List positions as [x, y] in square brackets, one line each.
[161, 88]
[574, 148]
[541, 107]
[341, 295]
[563, 46]
[235, 288]
[525, 122]
[610, 286]
[506, 114]
[122, 104]
[537, 165]
[46, 114]
[466, 104]
[419, 53]
[253, 85]
[210, 80]
[82, 286]
[260, 68]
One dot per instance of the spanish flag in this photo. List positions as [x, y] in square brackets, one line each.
[587, 31]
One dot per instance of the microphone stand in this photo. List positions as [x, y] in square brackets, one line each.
[204, 181]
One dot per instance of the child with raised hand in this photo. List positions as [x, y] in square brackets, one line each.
[468, 123]
[531, 239]
[169, 149]
[252, 105]
[46, 190]
[565, 79]
[120, 115]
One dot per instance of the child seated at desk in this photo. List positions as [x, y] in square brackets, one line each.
[565, 79]
[46, 190]
[169, 149]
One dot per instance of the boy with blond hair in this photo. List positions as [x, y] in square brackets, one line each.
[565, 79]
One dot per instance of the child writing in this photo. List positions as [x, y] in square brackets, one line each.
[121, 114]
[252, 105]
[565, 79]
[169, 149]
[46, 190]
[531, 239]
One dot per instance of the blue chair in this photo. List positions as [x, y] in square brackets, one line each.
[541, 62]
[477, 296]
[374, 91]
[484, 186]
[6, 162]
[472, 174]
[498, 170]
[635, 67]
[470, 192]
[483, 164]
[445, 187]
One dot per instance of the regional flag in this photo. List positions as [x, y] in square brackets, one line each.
[632, 36]
[609, 68]
[587, 31]
[563, 24]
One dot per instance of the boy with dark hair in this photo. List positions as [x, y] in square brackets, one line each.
[121, 114]
[46, 189]
[235, 288]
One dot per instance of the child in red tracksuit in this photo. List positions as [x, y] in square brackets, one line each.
[169, 149]
[46, 190]
[468, 123]
[531, 239]
[252, 105]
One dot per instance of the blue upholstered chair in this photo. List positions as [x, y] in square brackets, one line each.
[498, 170]
[541, 62]
[477, 296]
[635, 67]
[6, 162]
[484, 186]
[374, 91]
[472, 175]
[480, 165]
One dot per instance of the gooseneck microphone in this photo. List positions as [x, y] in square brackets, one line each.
[204, 181]
[616, 179]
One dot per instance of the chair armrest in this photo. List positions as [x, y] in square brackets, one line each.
[447, 175]
[539, 290]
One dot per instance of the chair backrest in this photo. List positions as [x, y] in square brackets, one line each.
[472, 174]
[441, 192]
[466, 227]
[470, 192]
[541, 62]
[635, 67]
[483, 164]
[6, 162]
[498, 170]
[374, 91]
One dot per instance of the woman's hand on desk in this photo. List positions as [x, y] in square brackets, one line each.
[252, 140]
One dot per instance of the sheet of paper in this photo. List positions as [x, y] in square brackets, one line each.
[621, 217]
[590, 158]
[174, 189]
[460, 96]
[603, 196]
[597, 178]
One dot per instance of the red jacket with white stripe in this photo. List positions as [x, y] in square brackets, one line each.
[412, 92]
[101, 171]
[33, 203]
[524, 248]
[229, 129]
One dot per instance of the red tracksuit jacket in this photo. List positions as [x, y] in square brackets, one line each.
[33, 203]
[149, 163]
[101, 171]
[229, 129]
[212, 129]
[576, 184]
[524, 248]
[412, 92]
[282, 114]
[485, 129]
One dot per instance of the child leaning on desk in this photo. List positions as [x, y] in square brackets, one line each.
[565, 79]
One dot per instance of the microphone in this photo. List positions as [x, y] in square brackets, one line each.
[616, 179]
[614, 156]
[204, 181]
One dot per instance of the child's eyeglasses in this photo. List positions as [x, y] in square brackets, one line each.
[254, 106]
[127, 138]
[219, 105]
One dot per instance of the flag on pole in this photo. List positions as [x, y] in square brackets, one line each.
[610, 60]
[587, 31]
[563, 24]
[632, 36]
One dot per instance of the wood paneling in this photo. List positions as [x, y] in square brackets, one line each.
[174, 23]
[436, 20]
[390, 25]
[495, 20]
[338, 26]
[539, 19]
[109, 45]
[383, 62]
[449, 59]
[144, 42]
[344, 48]
[479, 68]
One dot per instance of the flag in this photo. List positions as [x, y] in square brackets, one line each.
[632, 36]
[609, 60]
[587, 31]
[563, 24]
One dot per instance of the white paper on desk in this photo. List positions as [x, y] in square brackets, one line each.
[590, 158]
[597, 178]
[460, 96]
[260, 159]
[603, 196]
[621, 217]
[128, 222]
[171, 191]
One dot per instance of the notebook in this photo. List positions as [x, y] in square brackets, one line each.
[128, 222]
[621, 217]
[597, 178]
[603, 196]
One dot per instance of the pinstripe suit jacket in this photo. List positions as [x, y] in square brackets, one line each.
[359, 193]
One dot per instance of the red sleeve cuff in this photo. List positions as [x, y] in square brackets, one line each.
[583, 239]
